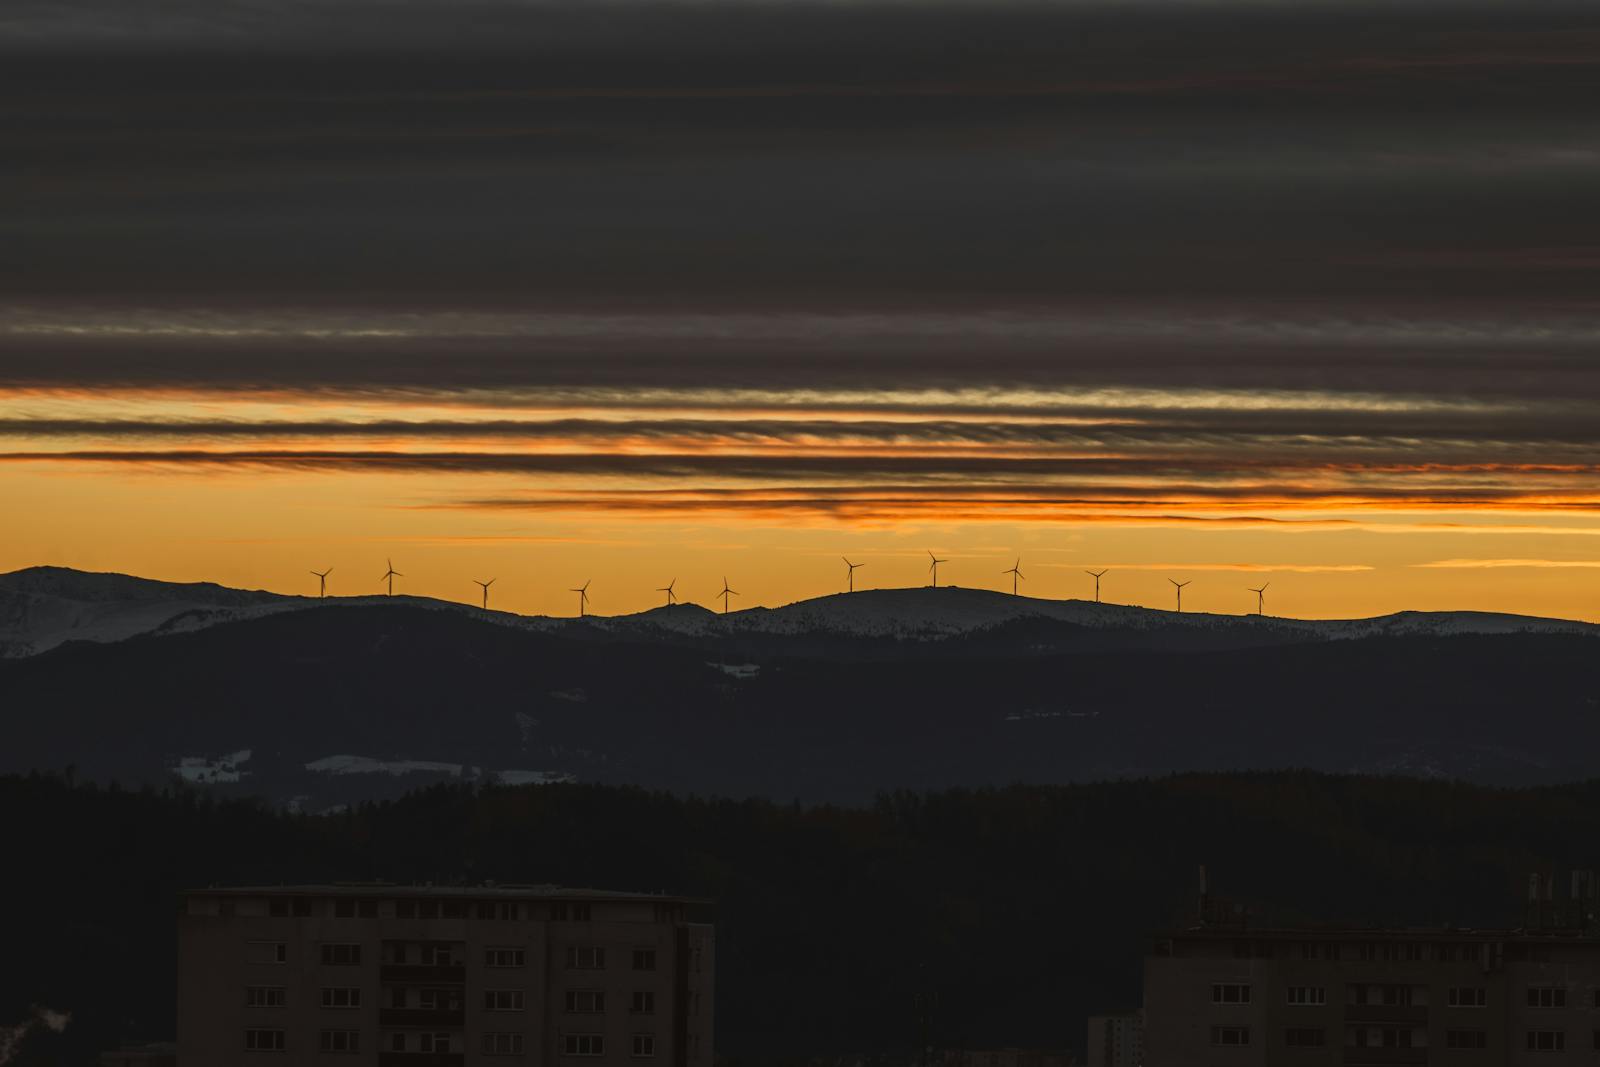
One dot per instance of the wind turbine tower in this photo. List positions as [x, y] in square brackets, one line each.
[322, 582]
[391, 575]
[1016, 575]
[850, 573]
[583, 596]
[1179, 587]
[486, 586]
[1261, 598]
[934, 568]
[725, 594]
[1097, 575]
[672, 598]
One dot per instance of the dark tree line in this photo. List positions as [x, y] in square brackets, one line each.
[1022, 909]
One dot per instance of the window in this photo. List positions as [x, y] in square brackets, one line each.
[266, 952]
[585, 1001]
[504, 957]
[644, 959]
[1230, 1035]
[343, 908]
[1468, 996]
[492, 909]
[397, 1042]
[1397, 996]
[453, 909]
[1307, 995]
[438, 999]
[1404, 950]
[427, 909]
[278, 907]
[405, 909]
[502, 1000]
[644, 1044]
[1230, 994]
[341, 997]
[1547, 1040]
[1394, 1037]
[643, 1003]
[341, 955]
[340, 1041]
[367, 909]
[1466, 1039]
[583, 1045]
[265, 996]
[585, 959]
[1305, 1037]
[439, 954]
[434, 1042]
[273, 1041]
[502, 1044]
[1546, 997]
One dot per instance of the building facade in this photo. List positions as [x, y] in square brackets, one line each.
[1116, 1040]
[1226, 998]
[423, 976]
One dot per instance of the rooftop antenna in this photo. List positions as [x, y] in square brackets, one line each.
[583, 596]
[1016, 575]
[725, 594]
[1097, 575]
[934, 567]
[1261, 598]
[672, 598]
[1179, 586]
[851, 572]
[390, 576]
[486, 586]
[322, 581]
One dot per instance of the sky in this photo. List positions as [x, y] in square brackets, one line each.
[550, 292]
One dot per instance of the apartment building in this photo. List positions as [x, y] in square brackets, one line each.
[1116, 1040]
[1218, 997]
[429, 976]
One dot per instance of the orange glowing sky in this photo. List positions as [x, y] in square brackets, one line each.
[1232, 292]
[1349, 502]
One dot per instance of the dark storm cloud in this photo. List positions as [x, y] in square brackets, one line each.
[1356, 238]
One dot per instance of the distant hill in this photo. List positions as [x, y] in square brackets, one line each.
[44, 607]
[333, 702]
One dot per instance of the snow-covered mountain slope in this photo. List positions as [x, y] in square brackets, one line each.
[932, 614]
[43, 607]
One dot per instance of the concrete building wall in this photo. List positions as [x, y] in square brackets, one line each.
[575, 981]
[1116, 1040]
[1375, 998]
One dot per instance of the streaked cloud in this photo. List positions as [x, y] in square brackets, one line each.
[1480, 564]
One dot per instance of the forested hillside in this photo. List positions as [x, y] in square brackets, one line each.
[1023, 908]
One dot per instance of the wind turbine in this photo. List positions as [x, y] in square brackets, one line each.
[390, 576]
[1261, 598]
[934, 567]
[725, 594]
[1097, 575]
[1016, 575]
[672, 598]
[486, 586]
[322, 581]
[851, 572]
[1179, 586]
[583, 596]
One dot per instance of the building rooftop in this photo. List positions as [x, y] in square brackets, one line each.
[484, 891]
[1370, 933]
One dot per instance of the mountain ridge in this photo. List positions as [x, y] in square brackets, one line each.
[44, 607]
